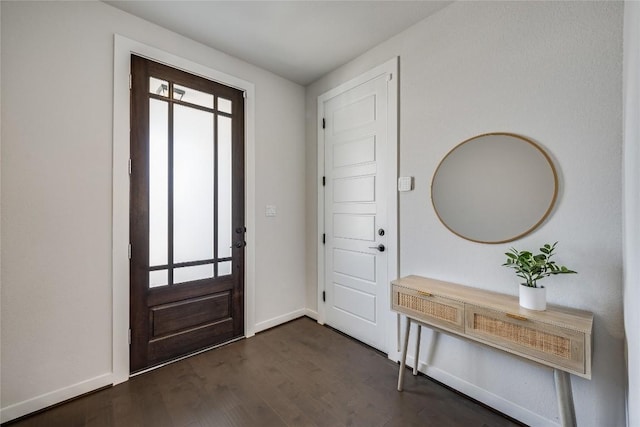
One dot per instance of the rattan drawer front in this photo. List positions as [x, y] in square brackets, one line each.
[439, 311]
[535, 340]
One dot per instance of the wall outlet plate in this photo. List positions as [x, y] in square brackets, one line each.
[270, 210]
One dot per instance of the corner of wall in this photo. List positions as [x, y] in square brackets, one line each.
[0, 193]
[631, 212]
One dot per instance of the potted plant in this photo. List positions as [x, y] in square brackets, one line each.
[533, 267]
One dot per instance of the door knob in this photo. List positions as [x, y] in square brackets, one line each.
[380, 247]
[240, 244]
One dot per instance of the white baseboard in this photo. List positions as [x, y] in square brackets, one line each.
[279, 320]
[311, 313]
[492, 400]
[37, 403]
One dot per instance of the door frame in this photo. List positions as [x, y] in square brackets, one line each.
[389, 68]
[123, 48]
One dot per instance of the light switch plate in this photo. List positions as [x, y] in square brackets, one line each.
[405, 183]
[270, 210]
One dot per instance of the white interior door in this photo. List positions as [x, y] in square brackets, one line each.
[356, 282]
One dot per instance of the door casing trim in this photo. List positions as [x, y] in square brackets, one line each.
[123, 48]
[389, 68]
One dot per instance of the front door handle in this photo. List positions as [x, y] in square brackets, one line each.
[240, 244]
[380, 247]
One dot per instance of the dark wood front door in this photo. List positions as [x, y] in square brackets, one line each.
[187, 213]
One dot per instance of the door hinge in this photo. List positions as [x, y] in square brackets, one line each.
[324, 296]
[129, 166]
[129, 334]
[324, 238]
[129, 251]
[324, 181]
[130, 81]
[324, 123]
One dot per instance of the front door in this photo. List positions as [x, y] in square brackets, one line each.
[187, 213]
[355, 216]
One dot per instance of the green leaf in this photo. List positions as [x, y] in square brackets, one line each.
[532, 267]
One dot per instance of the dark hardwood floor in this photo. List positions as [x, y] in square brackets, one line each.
[297, 374]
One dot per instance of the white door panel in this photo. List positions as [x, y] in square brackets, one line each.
[353, 114]
[361, 246]
[356, 280]
[354, 226]
[354, 189]
[354, 152]
[361, 285]
[355, 171]
[359, 304]
[355, 264]
[355, 208]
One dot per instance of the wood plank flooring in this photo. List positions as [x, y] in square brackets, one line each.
[297, 374]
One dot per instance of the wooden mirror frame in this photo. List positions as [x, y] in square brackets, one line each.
[477, 171]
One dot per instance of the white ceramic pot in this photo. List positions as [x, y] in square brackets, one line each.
[533, 298]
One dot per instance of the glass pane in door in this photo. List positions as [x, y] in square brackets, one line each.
[158, 86]
[193, 184]
[158, 185]
[224, 268]
[224, 187]
[158, 278]
[224, 105]
[192, 96]
[195, 272]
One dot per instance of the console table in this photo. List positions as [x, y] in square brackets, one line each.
[558, 337]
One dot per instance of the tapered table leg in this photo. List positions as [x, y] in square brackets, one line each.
[403, 361]
[565, 398]
[416, 357]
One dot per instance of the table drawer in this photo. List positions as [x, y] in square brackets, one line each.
[535, 340]
[432, 309]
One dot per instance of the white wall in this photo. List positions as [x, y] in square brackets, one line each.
[632, 205]
[550, 71]
[56, 175]
[0, 201]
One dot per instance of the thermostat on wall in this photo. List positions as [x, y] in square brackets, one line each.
[405, 183]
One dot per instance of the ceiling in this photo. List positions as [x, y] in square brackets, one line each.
[298, 40]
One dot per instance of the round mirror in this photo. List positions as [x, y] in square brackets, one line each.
[494, 188]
